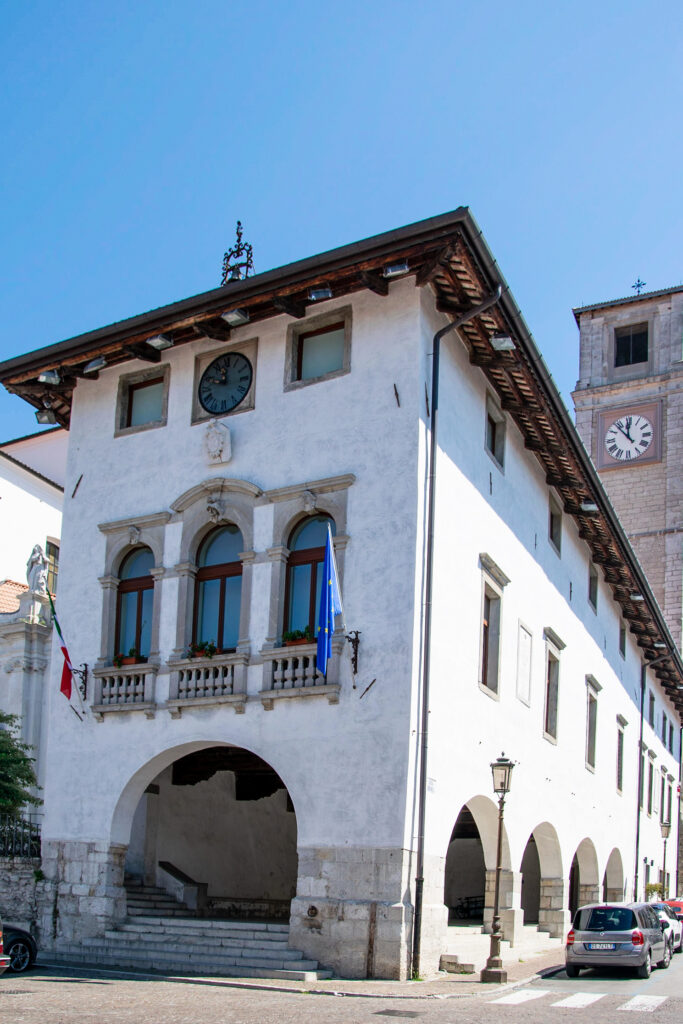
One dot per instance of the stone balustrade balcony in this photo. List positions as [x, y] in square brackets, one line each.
[125, 688]
[291, 671]
[207, 682]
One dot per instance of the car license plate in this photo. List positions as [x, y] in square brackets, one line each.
[601, 945]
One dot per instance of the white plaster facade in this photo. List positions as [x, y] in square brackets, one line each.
[354, 446]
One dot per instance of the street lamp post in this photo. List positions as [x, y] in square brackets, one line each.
[665, 826]
[501, 769]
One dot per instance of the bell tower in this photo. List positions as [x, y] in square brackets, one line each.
[629, 414]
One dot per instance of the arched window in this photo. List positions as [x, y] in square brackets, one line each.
[218, 590]
[134, 604]
[304, 572]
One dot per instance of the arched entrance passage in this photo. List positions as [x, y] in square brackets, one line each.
[584, 882]
[219, 816]
[471, 854]
[542, 882]
[613, 879]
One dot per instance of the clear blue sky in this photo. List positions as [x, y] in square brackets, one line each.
[134, 135]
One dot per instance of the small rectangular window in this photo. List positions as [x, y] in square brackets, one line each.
[622, 640]
[650, 786]
[669, 803]
[630, 345]
[593, 587]
[52, 555]
[490, 639]
[320, 352]
[145, 402]
[620, 760]
[651, 709]
[552, 679]
[665, 731]
[555, 525]
[671, 738]
[662, 800]
[591, 729]
[641, 788]
[495, 431]
[655, 795]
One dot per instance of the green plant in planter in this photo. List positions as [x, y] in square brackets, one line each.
[654, 889]
[118, 659]
[202, 649]
[298, 635]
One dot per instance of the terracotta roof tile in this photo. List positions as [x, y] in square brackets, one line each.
[10, 592]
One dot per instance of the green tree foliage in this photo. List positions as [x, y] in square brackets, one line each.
[16, 768]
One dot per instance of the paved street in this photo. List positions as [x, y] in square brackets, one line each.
[70, 997]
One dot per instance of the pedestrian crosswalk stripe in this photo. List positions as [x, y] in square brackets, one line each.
[579, 1000]
[643, 1003]
[522, 996]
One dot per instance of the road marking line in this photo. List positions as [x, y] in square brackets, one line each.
[644, 1004]
[579, 1000]
[523, 996]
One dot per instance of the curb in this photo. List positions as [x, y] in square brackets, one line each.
[180, 979]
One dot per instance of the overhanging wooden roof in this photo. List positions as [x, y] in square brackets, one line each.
[449, 254]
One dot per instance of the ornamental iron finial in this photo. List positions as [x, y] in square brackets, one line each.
[235, 267]
[638, 286]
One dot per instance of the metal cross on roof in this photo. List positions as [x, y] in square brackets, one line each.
[639, 285]
[234, 267]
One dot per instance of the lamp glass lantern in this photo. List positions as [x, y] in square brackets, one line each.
[501, 770]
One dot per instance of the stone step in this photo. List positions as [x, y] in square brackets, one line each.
[211, 924]
[199, 955]
[114, 941]
[146, 911]
[182, 966]
[126, 933]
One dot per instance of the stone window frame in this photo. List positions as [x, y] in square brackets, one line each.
[622, 639]
[214, 502]
[522, 627]
[553, 647]
[614, 323]
[127, 381]
[122, 537]
[493, 583]
[593, 688]
[496, 449]
[555, 524]
[593, 586]
[342, 314]
[650, 764]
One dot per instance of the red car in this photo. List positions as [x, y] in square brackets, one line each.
[676, 906]
[4, 960]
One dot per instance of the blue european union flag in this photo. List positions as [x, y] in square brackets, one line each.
[330, 605]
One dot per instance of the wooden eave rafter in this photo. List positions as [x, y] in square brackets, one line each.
[447, 254]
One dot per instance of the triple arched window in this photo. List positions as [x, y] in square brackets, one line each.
[134, 604]
[218, 589]
[304, 573]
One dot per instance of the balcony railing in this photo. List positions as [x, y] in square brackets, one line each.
[124, 689]
[198, 682]
[292, 672]
[19, 838]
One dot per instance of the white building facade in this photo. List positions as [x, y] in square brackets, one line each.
[200, 481]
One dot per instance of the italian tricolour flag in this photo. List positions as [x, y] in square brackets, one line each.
[67, 670]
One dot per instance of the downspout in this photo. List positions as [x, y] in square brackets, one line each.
[678, 821]
[424, 730]
[643, 680]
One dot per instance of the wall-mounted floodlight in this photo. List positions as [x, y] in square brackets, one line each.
[45, 416]
[98, 363]
[396, 269]
[160, 342]
[317, 294]
[660, 646]
[236, 317]
[636, 598]
[49, 377]
[502, 342]
[589, 506]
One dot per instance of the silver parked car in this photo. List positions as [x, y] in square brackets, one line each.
[617, 935]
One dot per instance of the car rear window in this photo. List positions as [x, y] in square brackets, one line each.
[604, 919]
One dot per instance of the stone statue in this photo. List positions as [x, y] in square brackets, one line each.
[217, 443]
[36, 571]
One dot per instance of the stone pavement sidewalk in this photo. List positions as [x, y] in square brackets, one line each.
[445, 986]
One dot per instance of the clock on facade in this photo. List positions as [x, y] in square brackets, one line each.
[629, 435]
[225, 383]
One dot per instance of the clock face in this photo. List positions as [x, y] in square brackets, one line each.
[629, 437]
[224, 383]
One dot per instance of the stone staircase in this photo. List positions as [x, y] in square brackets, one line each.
[468, 947]
[162, 935]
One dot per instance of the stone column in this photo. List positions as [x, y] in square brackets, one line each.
[278, 557]
[510, 904]
[553, 915]
[109, 585]
[247, 559]
[157, 575]
[186, 572]
[589, 894]
[613, 895]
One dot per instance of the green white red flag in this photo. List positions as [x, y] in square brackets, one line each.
[67, 669]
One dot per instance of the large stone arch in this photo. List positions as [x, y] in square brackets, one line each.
[218, 814]
[584, 877]
[542, 896]
[613, 880]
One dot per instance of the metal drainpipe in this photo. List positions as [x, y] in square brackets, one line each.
[424, 731]
[678, 822]
[643, 680]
